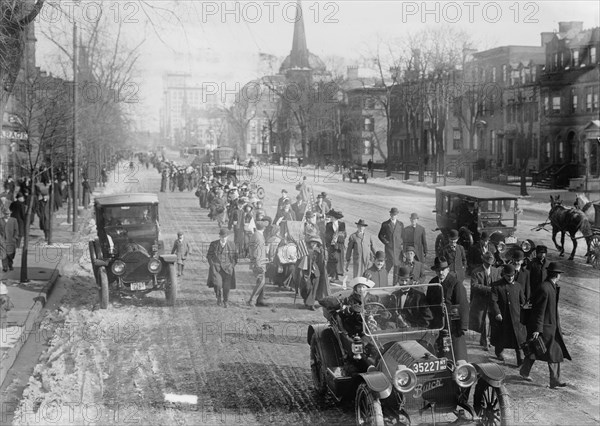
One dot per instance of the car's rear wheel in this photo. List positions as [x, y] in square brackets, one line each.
[491, 404]
[172, 285]
[318, 367]
[368, 407]
[104, 292]
[93, 257]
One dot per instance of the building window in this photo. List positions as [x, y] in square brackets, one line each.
[575, 57]
[546, 104]
[370, 103]
[555, 61]
[367, 147]
[493, 141]
[561, 150]
[504, 74]
[533, 73]
[369, 125]
[573, 100]
[588, 99]
[457, 139]
[592, 55]
[556, 104]
[493, 74]
[595, 98]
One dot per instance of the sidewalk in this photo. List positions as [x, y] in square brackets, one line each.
[44, 264]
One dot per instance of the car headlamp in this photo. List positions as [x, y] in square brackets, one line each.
[154, 265]
[501, 247]
[465, 375]
[526, 246]
[405, 379]
[357, 347]
[118, 267]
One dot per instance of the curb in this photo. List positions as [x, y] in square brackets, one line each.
[28, 326]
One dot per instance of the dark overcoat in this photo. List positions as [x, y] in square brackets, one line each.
[506, 299]
[537, 273]
[481, 290]
[544, 319]
[336, 250]
[454, 293]
[457, 260]
[415, 236]
[221, 259]
[391, 237]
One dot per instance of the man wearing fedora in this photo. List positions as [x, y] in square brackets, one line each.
[360, 249]
[482, 279]
[222, 258]
[320, 208]
[335, 243]
[478, 249]
[377, 272]
[522, 275]
[411, 306]
[453, 293]
[414, 236]
[537, 268]
[284, 197]
[390, 235]
[505, 308]
[416, 268]
[544, 322]
[455, 254]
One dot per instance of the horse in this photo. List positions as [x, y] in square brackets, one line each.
[569, 220]
[586, 206]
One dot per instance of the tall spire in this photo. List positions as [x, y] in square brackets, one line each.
[299, 53]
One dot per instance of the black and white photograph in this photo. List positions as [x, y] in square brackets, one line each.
[299, 212]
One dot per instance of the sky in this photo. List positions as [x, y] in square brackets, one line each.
[219, 41]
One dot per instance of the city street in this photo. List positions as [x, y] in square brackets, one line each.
[198, 363]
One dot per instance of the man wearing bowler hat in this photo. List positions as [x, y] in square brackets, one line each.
[455, 254]
[537, 268]
[452, 293]
[360, 249]
[222, 258]
[522, 275]
[482, 279]
[414, 236]
[390, 235]
[411, 306]
[416, 268]
[377, 272]
[545, 323]
[505, 309]
[477, 250]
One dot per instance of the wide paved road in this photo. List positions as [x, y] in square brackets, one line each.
[250, 365]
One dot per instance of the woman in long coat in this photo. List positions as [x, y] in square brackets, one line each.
[505, 307]
[310, 274]
[335, 243]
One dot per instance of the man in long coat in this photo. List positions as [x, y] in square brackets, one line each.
[360, 250]
[390, 235]
[522, 276]
[222, 258]
[414, 236]
[455, 254]
[505, 309]
[237, 224]
[453, 293]
[181, 248]
[482, 279]
[9, 235]
[537, 268]
[18, 210]
[545, 322]
[335, 244]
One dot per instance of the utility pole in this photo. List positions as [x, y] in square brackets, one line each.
[75, 165]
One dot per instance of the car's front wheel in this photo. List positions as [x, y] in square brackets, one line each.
[171, 285]
[317, 367]
[104, 292]
[368, 407]
[491, 404]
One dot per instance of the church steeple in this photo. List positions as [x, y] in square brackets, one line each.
[299, 53]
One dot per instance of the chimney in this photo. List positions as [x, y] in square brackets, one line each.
[546, 38]
[352, 73]
[565, 27]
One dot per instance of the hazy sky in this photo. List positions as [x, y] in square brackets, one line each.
[234, 32]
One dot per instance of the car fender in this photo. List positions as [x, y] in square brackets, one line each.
[491, 373]
[378, 383]
[315, 329]
[169, 258]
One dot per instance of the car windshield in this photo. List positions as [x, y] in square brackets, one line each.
[497, 213]
[128, 215]
[403, 309]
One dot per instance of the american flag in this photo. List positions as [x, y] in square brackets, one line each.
[302, 249]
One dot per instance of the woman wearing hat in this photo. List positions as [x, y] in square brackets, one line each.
[360, 249]
[311, 274]
[335, 243]
[545, 323]
[505, 309]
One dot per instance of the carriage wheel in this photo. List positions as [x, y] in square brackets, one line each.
[595, 251]
[260, 192]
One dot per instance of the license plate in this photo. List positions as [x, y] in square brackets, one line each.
[429, 366]
[137, 286]
[511, 240]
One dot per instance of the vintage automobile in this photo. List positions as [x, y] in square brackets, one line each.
[127, 257]
[355, 172]
[228, 171]
[472, 210]
[402, 369]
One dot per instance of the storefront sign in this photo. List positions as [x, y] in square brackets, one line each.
[11, 134]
